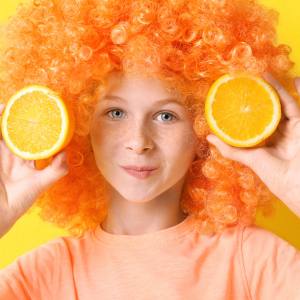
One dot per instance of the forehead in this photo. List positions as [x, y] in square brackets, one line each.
[130, 86]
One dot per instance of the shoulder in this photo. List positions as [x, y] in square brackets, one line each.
[48, 256]
[257, 239]
[36, 273]
[260, 251]
[38, 258]
[263, 253]
[262, 246]
[270, 265]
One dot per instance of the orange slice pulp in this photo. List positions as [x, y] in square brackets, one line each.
[242, 110]
[36, 123]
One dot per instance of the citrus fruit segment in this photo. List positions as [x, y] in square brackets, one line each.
[37, 123]
[242, 110]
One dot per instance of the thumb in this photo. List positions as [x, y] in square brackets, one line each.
[297, 84]
[2, 106]
[247, 157]
[268, 167]
[56, 170]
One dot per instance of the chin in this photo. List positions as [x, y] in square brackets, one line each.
[135, 193]
[136, 198]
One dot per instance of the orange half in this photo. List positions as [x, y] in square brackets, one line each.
[37, 123]
[242, 110]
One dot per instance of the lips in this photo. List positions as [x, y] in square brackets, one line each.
[139, 172]
[139, 168]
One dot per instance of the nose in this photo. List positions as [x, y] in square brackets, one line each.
[138, 138]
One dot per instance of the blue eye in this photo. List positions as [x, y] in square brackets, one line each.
[165, 113]
[113, 111]
[168, 114]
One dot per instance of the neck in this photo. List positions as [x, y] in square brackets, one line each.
[134, 218]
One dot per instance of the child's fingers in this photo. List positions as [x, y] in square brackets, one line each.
[2, 106]
[57, 169]
[297, 84]
[290, 108]
[5, 161]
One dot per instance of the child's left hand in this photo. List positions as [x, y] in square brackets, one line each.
[277, 163]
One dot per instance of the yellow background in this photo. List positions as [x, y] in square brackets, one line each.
[30, 231]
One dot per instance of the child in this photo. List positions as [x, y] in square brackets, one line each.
[136, 74]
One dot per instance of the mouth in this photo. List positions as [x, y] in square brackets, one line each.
[140, 174]
[139, 168]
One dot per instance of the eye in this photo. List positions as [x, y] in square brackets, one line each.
[169, 116]
[166, 115]
[115, 110]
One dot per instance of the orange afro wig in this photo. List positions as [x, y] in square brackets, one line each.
[72, 46]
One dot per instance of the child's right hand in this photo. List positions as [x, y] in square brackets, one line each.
[21, 183]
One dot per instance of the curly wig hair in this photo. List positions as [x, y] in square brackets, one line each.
[72, 46]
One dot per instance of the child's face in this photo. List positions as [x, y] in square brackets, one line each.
[142, 131]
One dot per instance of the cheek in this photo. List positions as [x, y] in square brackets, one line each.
[190, 139]
[187, 140]
[180, 148]
[103, 136]
[102, 144]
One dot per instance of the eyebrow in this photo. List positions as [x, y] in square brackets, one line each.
[162, 101]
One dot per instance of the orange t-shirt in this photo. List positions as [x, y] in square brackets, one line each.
[172, 263]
